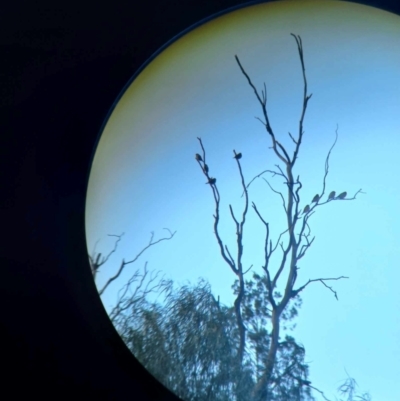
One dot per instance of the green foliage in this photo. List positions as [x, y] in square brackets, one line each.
[289, 379]
[189, 343]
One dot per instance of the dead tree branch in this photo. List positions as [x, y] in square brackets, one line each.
[322, 280]
[235, 264]
[298, 229]
[124, 264]
[95, 261]
[298, 235]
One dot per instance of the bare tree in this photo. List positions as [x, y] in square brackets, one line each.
[96, 261]
[293, 243]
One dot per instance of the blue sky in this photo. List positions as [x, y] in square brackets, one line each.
[144, 176]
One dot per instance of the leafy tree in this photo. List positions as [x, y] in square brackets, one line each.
[289, 381]
[188, 340]
[188, 343]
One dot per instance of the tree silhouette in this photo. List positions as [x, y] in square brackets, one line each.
[188, 340]
[293, 243]
[188, 343]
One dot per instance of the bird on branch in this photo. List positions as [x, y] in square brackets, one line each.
[332, 195]
[205, 168]
[315, 199]
[237, 156]
[306, 209]
[198, 158]
[342, 195]
[211, 181]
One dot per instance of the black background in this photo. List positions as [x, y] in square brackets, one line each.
[62, 65]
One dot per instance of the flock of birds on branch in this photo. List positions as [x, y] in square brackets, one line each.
[332, 195]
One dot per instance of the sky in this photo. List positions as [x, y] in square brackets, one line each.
[144, 176]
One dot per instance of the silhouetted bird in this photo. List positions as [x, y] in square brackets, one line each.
[198, 158]
[205, 168]
[342, 195]
[238, 156]
[316, 198]
[332, 195]
[211, 181]
[306, 209]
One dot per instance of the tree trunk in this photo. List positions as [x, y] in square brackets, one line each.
[260, 392]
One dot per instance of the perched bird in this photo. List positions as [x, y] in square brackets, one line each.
[211, 181]
[205, 168]
[198, 158]
[342, 195]
[316, 198]
[332, 195]
[306, 209]
[237, 156]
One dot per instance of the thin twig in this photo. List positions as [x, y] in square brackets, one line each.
[124, 264]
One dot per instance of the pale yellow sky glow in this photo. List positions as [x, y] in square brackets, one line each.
[144, 176]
